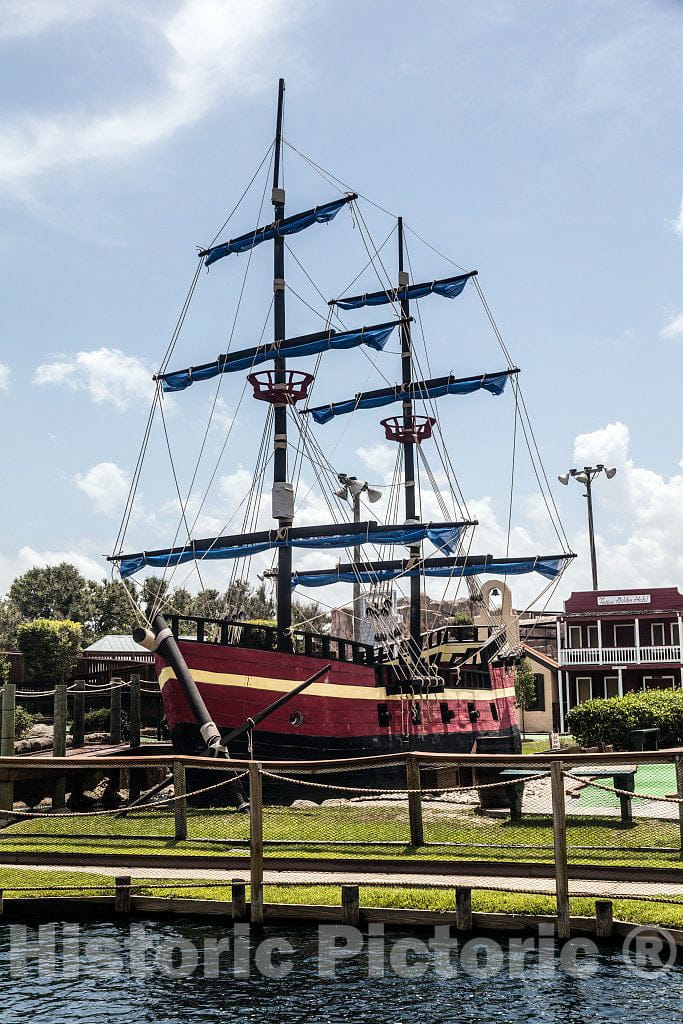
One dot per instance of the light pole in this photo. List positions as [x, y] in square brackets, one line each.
[351, 490]
[586, 476]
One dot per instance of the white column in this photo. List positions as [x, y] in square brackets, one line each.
[620, 682]
[599, 641]
[559, 693]
[680, 641]
[559, 645]
[567, 678]
[636, 638]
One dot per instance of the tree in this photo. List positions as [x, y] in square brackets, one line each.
[52, 592]
[114, 609]
[154, 592]
[10, 619]
[50, 647]
[525, 690]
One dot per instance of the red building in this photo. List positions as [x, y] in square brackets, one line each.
[612, 642]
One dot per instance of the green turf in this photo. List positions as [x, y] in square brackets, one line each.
[651, 779]
[354, 831]
[18, 882]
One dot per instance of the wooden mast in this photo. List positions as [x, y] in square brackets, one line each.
[408, 445]
[283, 496]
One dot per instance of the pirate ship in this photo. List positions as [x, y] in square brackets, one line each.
[229, 685]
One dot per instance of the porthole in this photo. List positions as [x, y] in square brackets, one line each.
[296, 718]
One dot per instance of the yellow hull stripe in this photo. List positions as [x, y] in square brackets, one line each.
[374, 693]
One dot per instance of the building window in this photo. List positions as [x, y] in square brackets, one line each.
[584, 689]
[538, 700]
[494, 711]
[623, 635]
[675, 637]
[575, 636]
[593, 636]
[658, 682]
[611, 686]
[657, 634]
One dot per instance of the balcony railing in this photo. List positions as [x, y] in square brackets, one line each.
[620, 655]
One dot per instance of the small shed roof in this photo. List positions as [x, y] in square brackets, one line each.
[116, 643]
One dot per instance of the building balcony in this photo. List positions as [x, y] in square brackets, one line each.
[667, 654]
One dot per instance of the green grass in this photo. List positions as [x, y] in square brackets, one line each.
[19, 882]
[653, 779]
[353, 831]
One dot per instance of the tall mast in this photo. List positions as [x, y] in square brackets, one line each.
[283, 495]
[408, 445]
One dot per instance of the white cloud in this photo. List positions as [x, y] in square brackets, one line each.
[639, 518]
[27, 558]
[4, 376]
[212, 49]
[673, 328]
[678, 223]
[379, 459]
[106, 484]
[107, 374]
[32, 17]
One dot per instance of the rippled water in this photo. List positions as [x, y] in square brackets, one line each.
[102, 973]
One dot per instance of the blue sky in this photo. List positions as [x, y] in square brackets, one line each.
[538, 142]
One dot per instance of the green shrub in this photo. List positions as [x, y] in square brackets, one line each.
[256, 635]
[50, 647]
[23, 720]
[611, 720]
[98, 720]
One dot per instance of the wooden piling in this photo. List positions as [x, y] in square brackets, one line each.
[78, 724]
[560, 846]
[463, 908]
[239, 900]
[414, 801]
[122, 894]
[134, 711]
[604, 919]
[256, 842]
[7, 741]
[115, 711]
[180, 806]
[350, 905]
[59, 742]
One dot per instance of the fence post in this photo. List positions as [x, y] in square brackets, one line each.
[414, 801]
[7, 741]
[122, 894]
[560, 845]
[134, 713]
[180, 806]
[239, 900]
[115, 711]
[59, 742]
[604, 919]
[78, 725]
[350, 905]
[679, 790]
[256, 842]
[463, 908]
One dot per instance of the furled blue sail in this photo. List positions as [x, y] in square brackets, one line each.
[494, 383]
[444, 536]
[287, 226]
[548, 567]
[308, 344]
[449, 287]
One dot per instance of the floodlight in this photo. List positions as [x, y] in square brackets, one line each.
[582, 478]
[564, 479]
[374, 495]
[609, 473]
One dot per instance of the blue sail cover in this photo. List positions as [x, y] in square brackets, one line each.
[449, 287]
[373, 337]
[548, 567]
[287, 226]
[491, 382]
[446, 537]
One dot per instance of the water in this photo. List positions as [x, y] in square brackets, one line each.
[100, 972]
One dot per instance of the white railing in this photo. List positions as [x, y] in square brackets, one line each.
[620, 655]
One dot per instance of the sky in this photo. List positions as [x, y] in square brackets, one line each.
[538, 142]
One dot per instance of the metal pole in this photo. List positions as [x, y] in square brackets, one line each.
[284, 556]
[591, 536]
[356, 584]
[408, 446]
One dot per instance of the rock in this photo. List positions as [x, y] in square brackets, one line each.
[337, 802]
[301, 805]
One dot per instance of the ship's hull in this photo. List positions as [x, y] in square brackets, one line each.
[348, 713]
